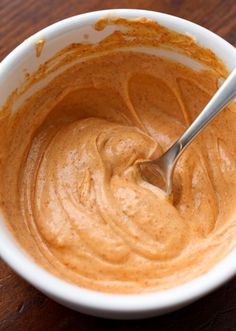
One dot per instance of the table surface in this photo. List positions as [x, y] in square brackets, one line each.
[21, 306]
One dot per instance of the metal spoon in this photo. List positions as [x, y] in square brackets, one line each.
[160, 171]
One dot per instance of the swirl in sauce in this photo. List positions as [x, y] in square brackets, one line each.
[72, 192]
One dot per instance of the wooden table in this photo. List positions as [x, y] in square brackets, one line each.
[22, 308]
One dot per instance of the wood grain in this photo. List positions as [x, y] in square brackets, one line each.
[23, 308]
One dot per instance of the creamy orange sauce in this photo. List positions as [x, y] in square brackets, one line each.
[72, 193]
[39, 45]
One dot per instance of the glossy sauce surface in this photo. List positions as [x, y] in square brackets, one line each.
[73, 194]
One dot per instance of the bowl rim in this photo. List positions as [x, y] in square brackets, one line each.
[63, 291]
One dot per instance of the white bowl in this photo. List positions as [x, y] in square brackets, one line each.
[12, 75]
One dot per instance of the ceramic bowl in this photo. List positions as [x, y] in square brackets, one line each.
[91, 302]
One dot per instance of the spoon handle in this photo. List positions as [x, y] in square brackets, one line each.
[223, 96]
[165, 164]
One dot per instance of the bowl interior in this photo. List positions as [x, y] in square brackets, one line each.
[12, 74]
